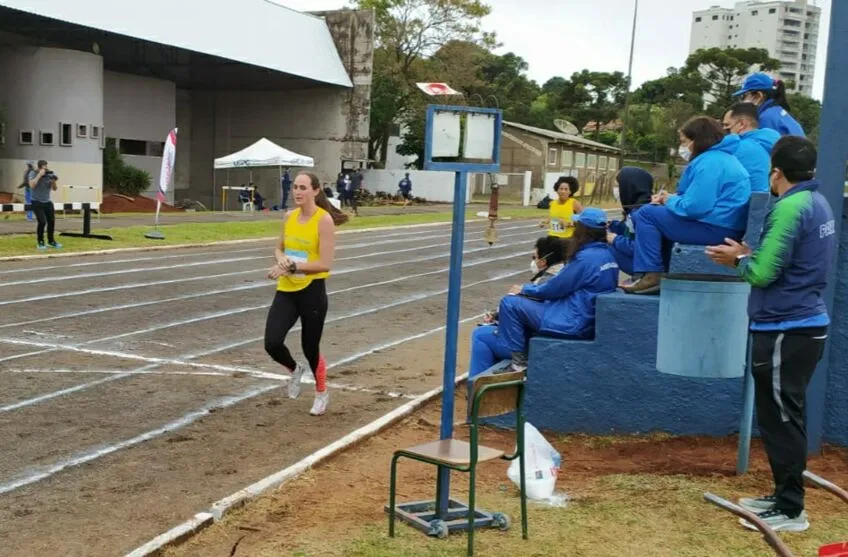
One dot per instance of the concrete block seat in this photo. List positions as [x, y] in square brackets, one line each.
[611, 384]
[690, 260]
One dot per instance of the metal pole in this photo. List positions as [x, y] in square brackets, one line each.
[743, 452]
[629, 78]
[452, 332]
[833, 157]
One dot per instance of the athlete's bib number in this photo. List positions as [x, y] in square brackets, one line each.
[556, 225]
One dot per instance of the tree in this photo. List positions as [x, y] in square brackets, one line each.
[676, 85]
[725, 69]
[808, 112]
[407, 31]
[595, 96]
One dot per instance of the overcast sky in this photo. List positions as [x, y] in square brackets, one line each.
[595, 34]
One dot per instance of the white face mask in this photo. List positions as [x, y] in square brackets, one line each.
[684, 153]
[534, 267]
[616, 193]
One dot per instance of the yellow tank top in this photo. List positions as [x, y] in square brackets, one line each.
[301, 245]
[561, 212]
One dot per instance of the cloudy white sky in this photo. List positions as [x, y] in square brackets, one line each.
[595, 34]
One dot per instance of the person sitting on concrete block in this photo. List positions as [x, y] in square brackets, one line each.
[635, 188]
[564, 305]
[487, 347]
[711, 203]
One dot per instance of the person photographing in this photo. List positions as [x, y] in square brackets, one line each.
[42, 181]
[788, 321]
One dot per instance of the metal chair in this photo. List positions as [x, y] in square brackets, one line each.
[493, 395]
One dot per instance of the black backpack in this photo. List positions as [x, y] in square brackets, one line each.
[545, 203]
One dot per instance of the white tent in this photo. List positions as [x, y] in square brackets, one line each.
[263, 153]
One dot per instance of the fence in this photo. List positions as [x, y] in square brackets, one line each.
[514, 186]
[430, 185]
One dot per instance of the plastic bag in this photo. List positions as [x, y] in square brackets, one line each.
[541, 465]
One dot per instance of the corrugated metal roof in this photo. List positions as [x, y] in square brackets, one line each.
[564, 137]
[256, 32]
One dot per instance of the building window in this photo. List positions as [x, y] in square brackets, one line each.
[802, 78]
[82, 130]
[715, 18]
[602, 163]
[95, 132]
[552, 156]
[580, 160]
[102, 137]
[773, 11]
[567, 158]
[133, 147]
[755, 12]
[27, 137]
[592, 162]
[155, 148]
[613, 164]
[66, 136]
[730, 36]
[47, 138]
[697, 20]
[731, 18]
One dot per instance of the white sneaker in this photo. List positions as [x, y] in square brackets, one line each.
[296, 378]
[319, 407]
[758, 504]
[780, 522]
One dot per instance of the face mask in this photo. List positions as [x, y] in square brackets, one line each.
[534, 267]
[616, 193]
[684, 153]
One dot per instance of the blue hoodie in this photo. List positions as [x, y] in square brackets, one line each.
[774, 117]
[570, 296]
[715, 188]
[754, 153]
[788, 273]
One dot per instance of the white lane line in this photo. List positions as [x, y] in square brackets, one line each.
[415, 236]
[228, 313]
[37, 474]
[208, 277]
[186, 360]
[34, 475]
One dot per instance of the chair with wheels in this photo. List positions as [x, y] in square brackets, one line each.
[494, 394]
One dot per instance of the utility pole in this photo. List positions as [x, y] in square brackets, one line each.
[629, 80]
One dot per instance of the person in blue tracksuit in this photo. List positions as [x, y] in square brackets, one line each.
[565, 305]
[756, 143]
[769, 95]
[635, 189]
[487, 346]
[788, 275]
[711, 203]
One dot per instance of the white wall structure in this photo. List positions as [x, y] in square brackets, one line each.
[432, 186]
[789, 30]
[56, 110]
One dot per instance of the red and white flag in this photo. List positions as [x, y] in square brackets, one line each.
[434, 89]
[168, 156]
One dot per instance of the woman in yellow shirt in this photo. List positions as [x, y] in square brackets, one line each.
[564, 207]
[304, 257]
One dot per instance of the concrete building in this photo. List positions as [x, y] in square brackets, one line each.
[788, 30]
[77, 73]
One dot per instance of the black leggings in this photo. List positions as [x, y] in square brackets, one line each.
[46, 217]
[310, 305]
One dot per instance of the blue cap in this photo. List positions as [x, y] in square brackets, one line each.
[755, 82]
[591, 217]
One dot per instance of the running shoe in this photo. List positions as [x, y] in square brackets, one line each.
[296, 378]
[40, 246]
[55, 245]
[779, 521]
[319, 407]
[758, 504]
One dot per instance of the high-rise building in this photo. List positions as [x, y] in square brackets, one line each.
[788, 30]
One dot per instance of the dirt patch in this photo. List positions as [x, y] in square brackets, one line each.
[298, 519]
[113, 203]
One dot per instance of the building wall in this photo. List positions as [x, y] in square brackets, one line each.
[142, 109]
[41, 89]
[788, 30]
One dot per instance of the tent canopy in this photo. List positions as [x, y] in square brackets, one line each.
[263, 153]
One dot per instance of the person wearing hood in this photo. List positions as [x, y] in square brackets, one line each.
[711, 203]
[769, 96]
[756, 143]
[635, 189]
[789, 321]
[487, 347]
